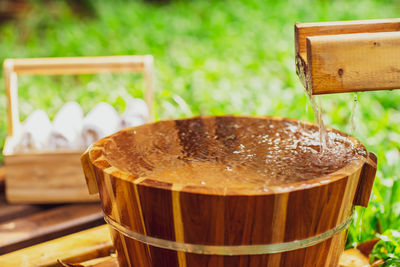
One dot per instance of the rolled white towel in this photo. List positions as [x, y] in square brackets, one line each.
[35, 132]
[101, 121]
[67, 127]
[136, 113]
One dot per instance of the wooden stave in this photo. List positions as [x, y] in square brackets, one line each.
[153, 228]
[325, 253]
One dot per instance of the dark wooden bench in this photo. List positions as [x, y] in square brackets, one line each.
[23, 225]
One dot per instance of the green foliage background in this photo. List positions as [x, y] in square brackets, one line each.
[211, 57]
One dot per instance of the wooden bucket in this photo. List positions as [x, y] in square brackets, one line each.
[158, 223]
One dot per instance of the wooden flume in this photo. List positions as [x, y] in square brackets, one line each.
[348, 56]
[208, 216]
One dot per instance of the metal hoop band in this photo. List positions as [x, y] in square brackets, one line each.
[228, 250]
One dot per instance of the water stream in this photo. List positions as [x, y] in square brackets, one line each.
[323, 136]
[317, 109]
[352, 115]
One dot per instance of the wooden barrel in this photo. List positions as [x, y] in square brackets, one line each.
[156, 222]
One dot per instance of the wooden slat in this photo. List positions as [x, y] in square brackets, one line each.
[13, 211]
[353, 62]
[109, 261]
[48, 224]
[46, 178]
[78, 65]
[348, 56]
[304, 30]
[366, 182]
[77, 247]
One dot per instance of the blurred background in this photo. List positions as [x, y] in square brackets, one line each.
[211, 57]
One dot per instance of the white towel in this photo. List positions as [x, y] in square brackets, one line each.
[136, 113]
[67, 128]
[100, 122]
[35, 132]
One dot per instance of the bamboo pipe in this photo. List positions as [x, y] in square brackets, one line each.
[348, 56]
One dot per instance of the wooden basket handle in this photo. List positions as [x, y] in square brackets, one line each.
[71, 65]
[366, 181]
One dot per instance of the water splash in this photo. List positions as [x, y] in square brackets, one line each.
[353, 111]
[323, 137]
[230, 152]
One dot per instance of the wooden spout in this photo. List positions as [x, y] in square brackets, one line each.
[366, 181]
[89, 173]
[348, 56]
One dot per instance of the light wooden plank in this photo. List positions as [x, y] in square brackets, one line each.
[77, 247]
[353, 62]
[304, 30]
[46, 178]
[109, 261]
[78, 65]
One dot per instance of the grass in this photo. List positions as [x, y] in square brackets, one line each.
[211, 57]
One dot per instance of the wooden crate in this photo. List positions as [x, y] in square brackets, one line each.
[56, 177]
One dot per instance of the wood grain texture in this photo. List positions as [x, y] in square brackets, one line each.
[11, 85]
[12, 211]
[77, 247]
[89, 173]
[304, 30]
[108, 261]
[46, 178]
[366, 182]
[40, 226]
[354, 62]
[203, 215]
[78, 65]
[348, 56]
